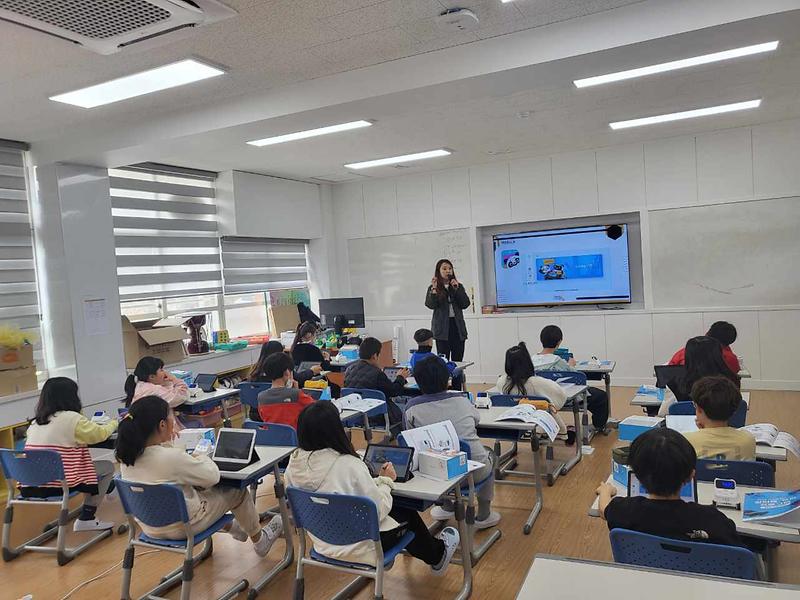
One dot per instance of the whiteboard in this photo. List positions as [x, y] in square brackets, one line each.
[741, 254]
[393, 272]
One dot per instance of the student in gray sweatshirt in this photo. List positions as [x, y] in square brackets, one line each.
[437, 404]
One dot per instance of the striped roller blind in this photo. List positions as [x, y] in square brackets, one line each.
[261, 264]
[19, 301]
[165, 232]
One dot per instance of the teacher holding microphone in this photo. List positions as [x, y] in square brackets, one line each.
[447, 298]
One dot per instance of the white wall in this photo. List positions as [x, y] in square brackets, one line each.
[733, 165]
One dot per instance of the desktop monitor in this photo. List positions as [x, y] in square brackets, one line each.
[351, 309]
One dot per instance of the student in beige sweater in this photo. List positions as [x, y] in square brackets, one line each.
[716, 399]
[145, 459]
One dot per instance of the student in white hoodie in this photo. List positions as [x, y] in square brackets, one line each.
[326, 462]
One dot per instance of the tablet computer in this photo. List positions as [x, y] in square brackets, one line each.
[688, 491]
[392, 372]
[307, 364]
[234, 450]
[399, 456]
[205, 381]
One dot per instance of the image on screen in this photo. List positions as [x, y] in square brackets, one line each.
[378, 455]
[580, 265]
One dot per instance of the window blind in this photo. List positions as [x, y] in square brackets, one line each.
[261, 264]
[165, 233]
[19, 300]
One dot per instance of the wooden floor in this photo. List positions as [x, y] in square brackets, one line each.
[563, 528]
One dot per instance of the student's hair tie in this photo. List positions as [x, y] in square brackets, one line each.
[128, 415]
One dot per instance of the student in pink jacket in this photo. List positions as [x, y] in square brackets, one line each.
[150, 379]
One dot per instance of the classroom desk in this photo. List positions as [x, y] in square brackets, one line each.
[207, 400]
[705, 493]
[651, 401]
[488, 420]
[569, 578]
[269, 457]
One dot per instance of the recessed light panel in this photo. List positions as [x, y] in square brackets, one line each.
[393, 160]
[301, 135]
[687, 114]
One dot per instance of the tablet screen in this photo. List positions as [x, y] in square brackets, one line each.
[400, 457]
[688, 491]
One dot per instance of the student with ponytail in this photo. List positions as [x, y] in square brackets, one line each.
[150, 379]
[304, 349]
[145, 459]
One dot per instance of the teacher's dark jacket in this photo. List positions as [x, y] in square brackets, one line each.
[440, 322]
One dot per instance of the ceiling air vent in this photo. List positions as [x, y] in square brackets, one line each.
[107, 26]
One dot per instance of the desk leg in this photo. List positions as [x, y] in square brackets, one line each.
[367, 429]
[288, 554]
[576, 415]
[226, 420]
[463, 531]
[537, 469]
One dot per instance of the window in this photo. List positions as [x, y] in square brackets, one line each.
[19, 299]
[246, 314]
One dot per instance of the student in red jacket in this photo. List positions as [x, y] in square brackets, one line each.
[283, 402]
[725, 334]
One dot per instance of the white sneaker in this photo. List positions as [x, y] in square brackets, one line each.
[93, 525]
[236, 532]
[490, 521]
[269, 533]
[451, 539]
[440, 514]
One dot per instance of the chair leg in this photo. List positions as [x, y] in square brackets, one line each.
[379, 583]
[299, 581]
[186, 579]
[127, 572]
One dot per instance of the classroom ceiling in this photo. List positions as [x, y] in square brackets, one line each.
[488, 99]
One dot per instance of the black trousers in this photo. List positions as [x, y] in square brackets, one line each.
[453, 346]
[597, 403]
[424, 546]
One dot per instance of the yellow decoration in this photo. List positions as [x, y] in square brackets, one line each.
[11, 337]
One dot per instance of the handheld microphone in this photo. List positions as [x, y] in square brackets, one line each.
[450, 277]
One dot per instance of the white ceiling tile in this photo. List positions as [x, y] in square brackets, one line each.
[367, 49]
[390, 13]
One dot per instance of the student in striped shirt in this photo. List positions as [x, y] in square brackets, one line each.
[60, 426]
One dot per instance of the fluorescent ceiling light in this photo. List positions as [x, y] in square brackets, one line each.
[676, 64]
[301, 135]
[138, 84]
[687, 114]
[393, 160]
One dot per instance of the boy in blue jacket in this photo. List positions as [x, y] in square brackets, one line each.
[424, 339]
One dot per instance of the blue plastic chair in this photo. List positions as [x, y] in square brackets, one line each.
[340, 520]
[354, 423]
[158, 506]
[738, 419]
[743, 472]
[273, 434]
[31, 468]
[249, 391]
[644, 550]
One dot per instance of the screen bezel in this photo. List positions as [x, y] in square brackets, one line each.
[407, 449]
[205, 380]
[228, 431]
[542, 232]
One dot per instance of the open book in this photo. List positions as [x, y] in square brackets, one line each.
[768, 434]
[528, 414]
[773, 508]
[357, 403]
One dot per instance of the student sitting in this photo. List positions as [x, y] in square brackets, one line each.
[725, 334]
[303, 348]
[144, 459]
[703, 358]
[596, 400]
[436, 405]
[424, 339]
[715, 400]
[282, 402]
[366, 373]
[663, 460]
[60, 426]
[326, 462]
[257, 372]
[150, 379]
[520, 379]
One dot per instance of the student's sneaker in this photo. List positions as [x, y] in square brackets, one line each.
[269, 533]
[237, 533]
[451, 539]
[91, 525]
[440, 514]
[490, 521]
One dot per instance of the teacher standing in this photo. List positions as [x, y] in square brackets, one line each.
[447, 298]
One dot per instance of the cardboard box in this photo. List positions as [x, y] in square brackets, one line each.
[161, 338]
[189, 438]
[442, 465]
[16, 358]
[283, 318]
[15, 381]
[632, 427]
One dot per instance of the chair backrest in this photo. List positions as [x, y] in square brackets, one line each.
[738, 419]
[365, 393]
[642, 549]
[32, 467]
[156, 505]
[575, 377]
[337, 519]
[314, 393]
[743, 472]
[512, 399]
[273, 434]
[249, 391]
